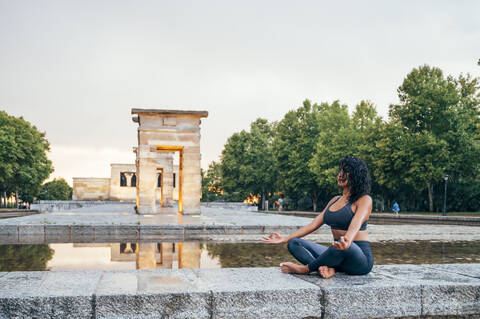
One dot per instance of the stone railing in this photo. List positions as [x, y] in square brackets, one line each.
[230, 205]
[390, 291]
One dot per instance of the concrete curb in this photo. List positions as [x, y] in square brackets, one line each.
[395, 291]
[31, 234]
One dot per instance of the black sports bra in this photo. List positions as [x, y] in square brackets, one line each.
[341, 218]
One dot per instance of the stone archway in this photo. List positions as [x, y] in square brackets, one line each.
[168, 131]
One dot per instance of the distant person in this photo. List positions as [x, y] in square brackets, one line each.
[347, 215]
[396, 208]
[280, 204]
[27, 205]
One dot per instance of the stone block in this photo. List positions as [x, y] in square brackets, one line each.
[194, 230]
[8, 230]
[80, 233]
[369, 296]
[233, 230]
[28, 230]
[471, 270]
[237, 293]
[124, 232]
[215, 229]
[252, 229]
[280, 229]
[31, 239]
[152, 294]
[9, 239]
[55, 233]
[161, 231]
[444, 292]
[47, 294]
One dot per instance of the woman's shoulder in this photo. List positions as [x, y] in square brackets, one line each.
[364, 200]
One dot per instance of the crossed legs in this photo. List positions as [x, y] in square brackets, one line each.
[326, 260]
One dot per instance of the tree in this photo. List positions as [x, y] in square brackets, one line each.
[58, 189]
[25, 257]
[23, 160]
[211, 182]
[341, 135]
[247, 164]
[439, 117]
[336, 139]
[293, 147]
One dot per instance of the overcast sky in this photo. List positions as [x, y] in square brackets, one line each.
[76, 68]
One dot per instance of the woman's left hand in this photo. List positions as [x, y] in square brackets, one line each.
[342, 244]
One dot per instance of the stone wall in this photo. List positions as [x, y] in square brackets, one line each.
[61, 205]
[91, 188]
[231, 205]
[117, 192]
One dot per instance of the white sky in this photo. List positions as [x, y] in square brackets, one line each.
[76, 68]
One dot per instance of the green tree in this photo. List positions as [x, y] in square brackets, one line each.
[58, 189]
[341, 135]
[247, 164]
[23, 160]
[293, 147]
[25, 257]
[437, 116]
[336, 139]
[212, 182]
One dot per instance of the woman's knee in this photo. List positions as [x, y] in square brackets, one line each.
[293, 243]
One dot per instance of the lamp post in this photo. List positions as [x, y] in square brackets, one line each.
[445, 197]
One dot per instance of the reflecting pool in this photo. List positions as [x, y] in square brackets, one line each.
[173, 255]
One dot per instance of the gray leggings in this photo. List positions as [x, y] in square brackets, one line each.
[356, 260]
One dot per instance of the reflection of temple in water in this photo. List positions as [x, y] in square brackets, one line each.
[158, 255]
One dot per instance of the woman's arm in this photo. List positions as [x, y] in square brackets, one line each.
[275, 238]
[362, 212]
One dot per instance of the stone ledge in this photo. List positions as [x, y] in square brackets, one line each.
[48, 233]
[390, 291]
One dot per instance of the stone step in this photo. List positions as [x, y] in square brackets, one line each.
[389, 291]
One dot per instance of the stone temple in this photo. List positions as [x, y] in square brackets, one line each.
[154, 182]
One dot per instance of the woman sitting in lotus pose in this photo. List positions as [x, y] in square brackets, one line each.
[347, 216]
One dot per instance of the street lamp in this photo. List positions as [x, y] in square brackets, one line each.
[445, 197]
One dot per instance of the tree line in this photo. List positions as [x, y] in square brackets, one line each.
[24, 165]
[432, 132]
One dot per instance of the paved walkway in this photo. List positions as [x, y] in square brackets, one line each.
[393, 291]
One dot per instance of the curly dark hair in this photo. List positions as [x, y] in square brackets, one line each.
[356, 171]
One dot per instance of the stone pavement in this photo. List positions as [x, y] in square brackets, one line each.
[390, 291]
[114, 222]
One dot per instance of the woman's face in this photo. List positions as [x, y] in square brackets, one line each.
[342, 179]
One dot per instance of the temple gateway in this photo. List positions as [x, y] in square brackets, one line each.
[154, 182]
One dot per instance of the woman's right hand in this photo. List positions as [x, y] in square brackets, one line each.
[274, 238]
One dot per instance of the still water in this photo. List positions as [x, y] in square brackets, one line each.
[171, 255]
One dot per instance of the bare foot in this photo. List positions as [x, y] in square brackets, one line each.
[326, 272]
[288, 267]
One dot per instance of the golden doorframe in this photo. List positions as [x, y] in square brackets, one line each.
[179, 149]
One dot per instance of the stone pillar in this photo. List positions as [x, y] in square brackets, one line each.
[189, 255]
[166, 252]
[192, 179]
[146, 256]
[128, 178]
[146, 180]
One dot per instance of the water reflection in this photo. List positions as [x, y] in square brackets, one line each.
[171, 255]
[24, 257]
